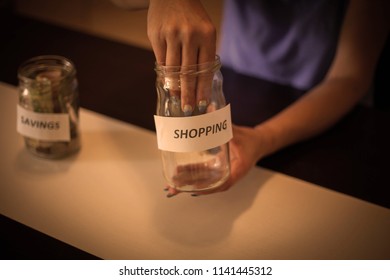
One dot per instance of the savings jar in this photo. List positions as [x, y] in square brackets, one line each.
[48, 108]
[193, 126]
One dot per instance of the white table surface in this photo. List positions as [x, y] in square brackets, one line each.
[108, 200]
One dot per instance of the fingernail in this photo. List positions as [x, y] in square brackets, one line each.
[202, 105]
[187, 110]
[169, 195]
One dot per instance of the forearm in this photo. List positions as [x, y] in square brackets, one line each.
[362, 37]
[311, 115]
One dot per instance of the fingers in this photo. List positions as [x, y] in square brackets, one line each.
[182, 34]
[204, 91]
[171, 191]
[199, 50]
[172, 83]
[188, 81]
[205, 81]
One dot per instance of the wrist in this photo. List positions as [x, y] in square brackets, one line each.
[267, 139]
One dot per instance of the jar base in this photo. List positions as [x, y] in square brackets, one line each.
[186, 181]
[52, 150]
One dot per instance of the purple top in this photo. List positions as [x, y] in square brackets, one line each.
[291, 42]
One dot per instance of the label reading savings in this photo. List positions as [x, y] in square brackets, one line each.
[196, 133]
[43, 126]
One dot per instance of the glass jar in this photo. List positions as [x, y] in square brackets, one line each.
[48, 110]
[193, 138]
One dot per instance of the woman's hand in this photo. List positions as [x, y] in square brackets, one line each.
[181, 34]
[246, 148]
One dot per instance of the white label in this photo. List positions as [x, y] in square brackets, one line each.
[43, 126]
[196, 133]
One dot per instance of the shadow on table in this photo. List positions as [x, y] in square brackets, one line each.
[209, 219]
[27, 163]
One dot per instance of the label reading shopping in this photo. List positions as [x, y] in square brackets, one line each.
[195, 133]
[43, 126]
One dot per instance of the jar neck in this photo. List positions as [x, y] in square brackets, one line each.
[29, 70]
[195, 69]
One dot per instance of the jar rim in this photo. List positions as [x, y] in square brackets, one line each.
[194, 69]
[46, 61]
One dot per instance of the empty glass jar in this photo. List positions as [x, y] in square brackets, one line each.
[193, 126]
[48, 106]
